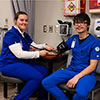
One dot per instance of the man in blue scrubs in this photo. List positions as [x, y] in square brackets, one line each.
[16, 58]
[81, 71]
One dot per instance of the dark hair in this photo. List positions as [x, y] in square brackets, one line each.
[82, 17]
[19, 13]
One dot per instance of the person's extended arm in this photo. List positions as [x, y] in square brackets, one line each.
[72, 82]
[41, 46]
[16, 49]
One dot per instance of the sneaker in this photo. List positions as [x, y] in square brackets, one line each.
[12, 98]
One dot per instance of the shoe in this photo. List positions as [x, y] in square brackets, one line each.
[12, 98]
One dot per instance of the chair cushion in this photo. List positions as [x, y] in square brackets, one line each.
[63, 86]
[10, 79]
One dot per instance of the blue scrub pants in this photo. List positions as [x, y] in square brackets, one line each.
[83, 87]
[31, 73]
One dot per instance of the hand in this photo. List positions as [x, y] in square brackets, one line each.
[49, 47]
[52, 53]
[43, 52]
[72, 82]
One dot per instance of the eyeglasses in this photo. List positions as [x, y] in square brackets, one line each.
[80, 23]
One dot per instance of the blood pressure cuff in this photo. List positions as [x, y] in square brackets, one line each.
[62, 47]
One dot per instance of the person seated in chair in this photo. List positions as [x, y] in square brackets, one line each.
[16, 58]
[80, 74]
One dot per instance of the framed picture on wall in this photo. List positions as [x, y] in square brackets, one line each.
[71, 7]
[94, 6]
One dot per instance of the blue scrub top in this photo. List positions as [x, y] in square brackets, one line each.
[82, 53]
[11, 37]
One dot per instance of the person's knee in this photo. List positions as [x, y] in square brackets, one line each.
[46, 82]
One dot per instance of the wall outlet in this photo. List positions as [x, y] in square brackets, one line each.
[44, 28]
[50, 28]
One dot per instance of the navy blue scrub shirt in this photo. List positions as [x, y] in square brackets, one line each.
[11, 37]
[84, 52]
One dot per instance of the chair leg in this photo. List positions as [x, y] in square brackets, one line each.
[5, 90]
[93, 92]
[69, 95]
[16, 89]
[19, 87]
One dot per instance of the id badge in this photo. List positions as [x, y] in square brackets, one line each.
[73, 44]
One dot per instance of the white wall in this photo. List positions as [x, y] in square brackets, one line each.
[47, 12]
[6, 12]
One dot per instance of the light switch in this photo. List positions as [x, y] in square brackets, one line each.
[45, 28]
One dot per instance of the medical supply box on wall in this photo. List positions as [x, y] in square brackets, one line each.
[97, 27]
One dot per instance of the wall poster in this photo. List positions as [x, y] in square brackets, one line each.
[73, 7]
[94, 6]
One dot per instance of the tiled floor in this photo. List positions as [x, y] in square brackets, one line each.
[11, 91]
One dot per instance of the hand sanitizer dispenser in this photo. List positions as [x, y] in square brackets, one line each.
[97, 27]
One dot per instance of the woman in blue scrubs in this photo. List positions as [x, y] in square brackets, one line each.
[16, 58]
[81, 71]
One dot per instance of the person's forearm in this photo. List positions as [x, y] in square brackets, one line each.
[38, 45]
[88, 70]
[16, 49]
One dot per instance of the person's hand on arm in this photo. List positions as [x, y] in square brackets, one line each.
[51, 50]
[48, 47]
[42, 46]
[43, 53]
[72, 82]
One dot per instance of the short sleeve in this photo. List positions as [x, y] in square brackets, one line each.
[11, 38]
[95, 52]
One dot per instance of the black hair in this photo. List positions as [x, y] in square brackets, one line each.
[19, 13]
[82, 17]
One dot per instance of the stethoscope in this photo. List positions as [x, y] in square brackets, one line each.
[55, 51]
